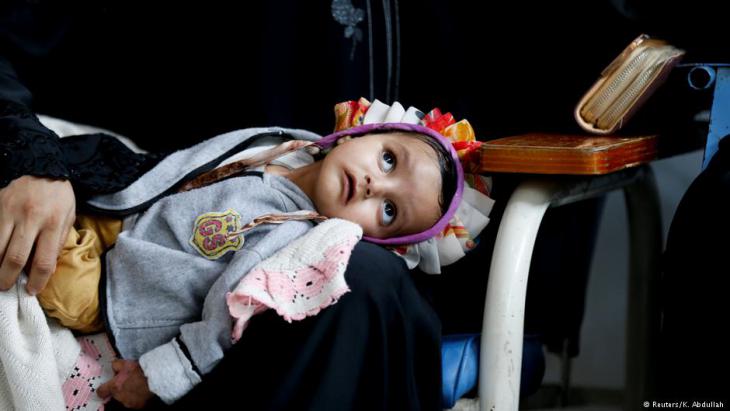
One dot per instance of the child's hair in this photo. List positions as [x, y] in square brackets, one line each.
[452, 175]
[446, 167]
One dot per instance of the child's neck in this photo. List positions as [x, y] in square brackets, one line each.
[277, 170]
[304, 177]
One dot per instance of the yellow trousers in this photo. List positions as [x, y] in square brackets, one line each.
[72, 293]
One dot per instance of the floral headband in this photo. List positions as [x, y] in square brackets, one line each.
[468, 212]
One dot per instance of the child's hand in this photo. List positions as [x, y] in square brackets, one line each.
[129, 385]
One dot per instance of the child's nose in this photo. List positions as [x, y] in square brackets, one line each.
[368, 186]
[373, 186]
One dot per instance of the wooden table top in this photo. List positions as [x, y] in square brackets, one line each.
[540, 153]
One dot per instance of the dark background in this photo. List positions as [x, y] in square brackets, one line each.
[169, 74]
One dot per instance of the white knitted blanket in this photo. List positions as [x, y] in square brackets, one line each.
[36, 354]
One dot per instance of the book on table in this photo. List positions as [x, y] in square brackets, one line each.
[626, 84]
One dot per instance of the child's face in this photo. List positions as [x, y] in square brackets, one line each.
[388, 183]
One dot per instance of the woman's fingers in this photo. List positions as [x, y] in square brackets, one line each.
[47, 248]
[33, 211]
[16, 255]
[7, 223]
[6, 229]
[44, 259]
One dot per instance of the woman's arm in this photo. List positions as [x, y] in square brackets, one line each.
[26, 146]
[37, 204]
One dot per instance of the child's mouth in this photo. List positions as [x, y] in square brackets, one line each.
[350, 187]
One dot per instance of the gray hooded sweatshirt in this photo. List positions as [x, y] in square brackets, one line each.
[164, 297]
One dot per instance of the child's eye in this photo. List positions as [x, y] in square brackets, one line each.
[387, 161]
[388, 212]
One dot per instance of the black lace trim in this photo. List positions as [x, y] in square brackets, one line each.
[31, 153]
[94, 163]
[100, 163]
[26, 147]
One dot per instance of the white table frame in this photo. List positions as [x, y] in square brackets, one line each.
[502, 335]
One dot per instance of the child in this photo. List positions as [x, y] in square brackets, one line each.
[164, 305]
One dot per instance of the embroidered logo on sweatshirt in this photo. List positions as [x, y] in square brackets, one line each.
[215, 234]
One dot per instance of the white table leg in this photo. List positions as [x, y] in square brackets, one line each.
[502, 330]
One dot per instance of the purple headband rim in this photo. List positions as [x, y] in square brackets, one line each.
[329, 141]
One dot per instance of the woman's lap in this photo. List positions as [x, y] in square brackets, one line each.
[378, 347]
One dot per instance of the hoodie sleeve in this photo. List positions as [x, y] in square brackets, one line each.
[174, 368]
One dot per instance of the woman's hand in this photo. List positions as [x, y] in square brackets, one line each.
[34, 211]
[129, 385]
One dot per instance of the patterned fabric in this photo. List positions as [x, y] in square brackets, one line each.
[93, 368]
[29, 151]
[461, 234]
[346, 14]
[94, 163]
[300, 279]
[350, 114]
[100, 163]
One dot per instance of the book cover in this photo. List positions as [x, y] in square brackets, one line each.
[626, 84]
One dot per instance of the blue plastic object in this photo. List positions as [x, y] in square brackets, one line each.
[719, 76]
[719, 117]
[460, 366]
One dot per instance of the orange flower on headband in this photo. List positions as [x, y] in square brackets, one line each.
[350, 114]
[461, 134]
[459, 235]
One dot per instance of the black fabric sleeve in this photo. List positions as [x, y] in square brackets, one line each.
[95, 163]
[26, 146]
[377, 348]
[100, 164]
